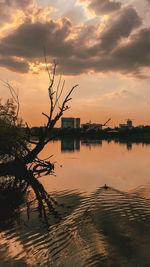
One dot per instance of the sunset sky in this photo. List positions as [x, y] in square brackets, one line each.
[102, 45]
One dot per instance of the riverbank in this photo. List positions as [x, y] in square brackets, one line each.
[135, 134]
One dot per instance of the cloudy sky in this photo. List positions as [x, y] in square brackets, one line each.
[102, 45]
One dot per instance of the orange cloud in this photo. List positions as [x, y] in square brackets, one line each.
[115, 44]
[117, 94]
[101, 7]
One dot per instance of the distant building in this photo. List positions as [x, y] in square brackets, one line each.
[89, 126]
[127, 125]
[72, 123]
[77, 123]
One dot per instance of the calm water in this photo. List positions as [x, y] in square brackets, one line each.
[98, 227]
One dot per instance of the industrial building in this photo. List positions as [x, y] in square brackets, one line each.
[72, 123]
[94, 126]
[89, 126]
[127, 125]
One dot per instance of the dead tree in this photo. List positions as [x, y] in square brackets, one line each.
[52, 117]
[28, 166]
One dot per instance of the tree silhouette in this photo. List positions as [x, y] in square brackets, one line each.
[26, 167]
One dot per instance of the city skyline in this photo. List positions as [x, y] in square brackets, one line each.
[101, 45]
[71, 123]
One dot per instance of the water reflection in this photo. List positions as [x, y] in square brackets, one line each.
[100, 227]
[108, 228]
[128, 144]
[71, 144]
[89, 143]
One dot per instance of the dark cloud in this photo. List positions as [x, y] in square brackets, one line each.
[101, 7]
[16, 3]
[117, 31]
[86, 37]
[14, 64]
[135, 54]
[122, 26]
[126, 59]
[30, 39]
[118, 48]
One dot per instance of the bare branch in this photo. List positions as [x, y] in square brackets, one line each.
[45, 115]
[31, 142]
[62, 108]
[15, 96]
[67, 97]
[46, 64]
[58, 87]
[44, 137]
[62, 88]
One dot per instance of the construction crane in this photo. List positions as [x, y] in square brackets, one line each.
[106, 122]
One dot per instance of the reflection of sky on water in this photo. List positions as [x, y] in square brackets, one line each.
[98, 163]
[107, 228]
[96, 226]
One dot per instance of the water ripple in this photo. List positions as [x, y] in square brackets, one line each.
[108, 228]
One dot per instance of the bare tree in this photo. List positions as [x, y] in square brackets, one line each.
[52, 117]
[27, 167]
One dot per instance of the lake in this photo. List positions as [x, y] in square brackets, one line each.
[96, 225]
